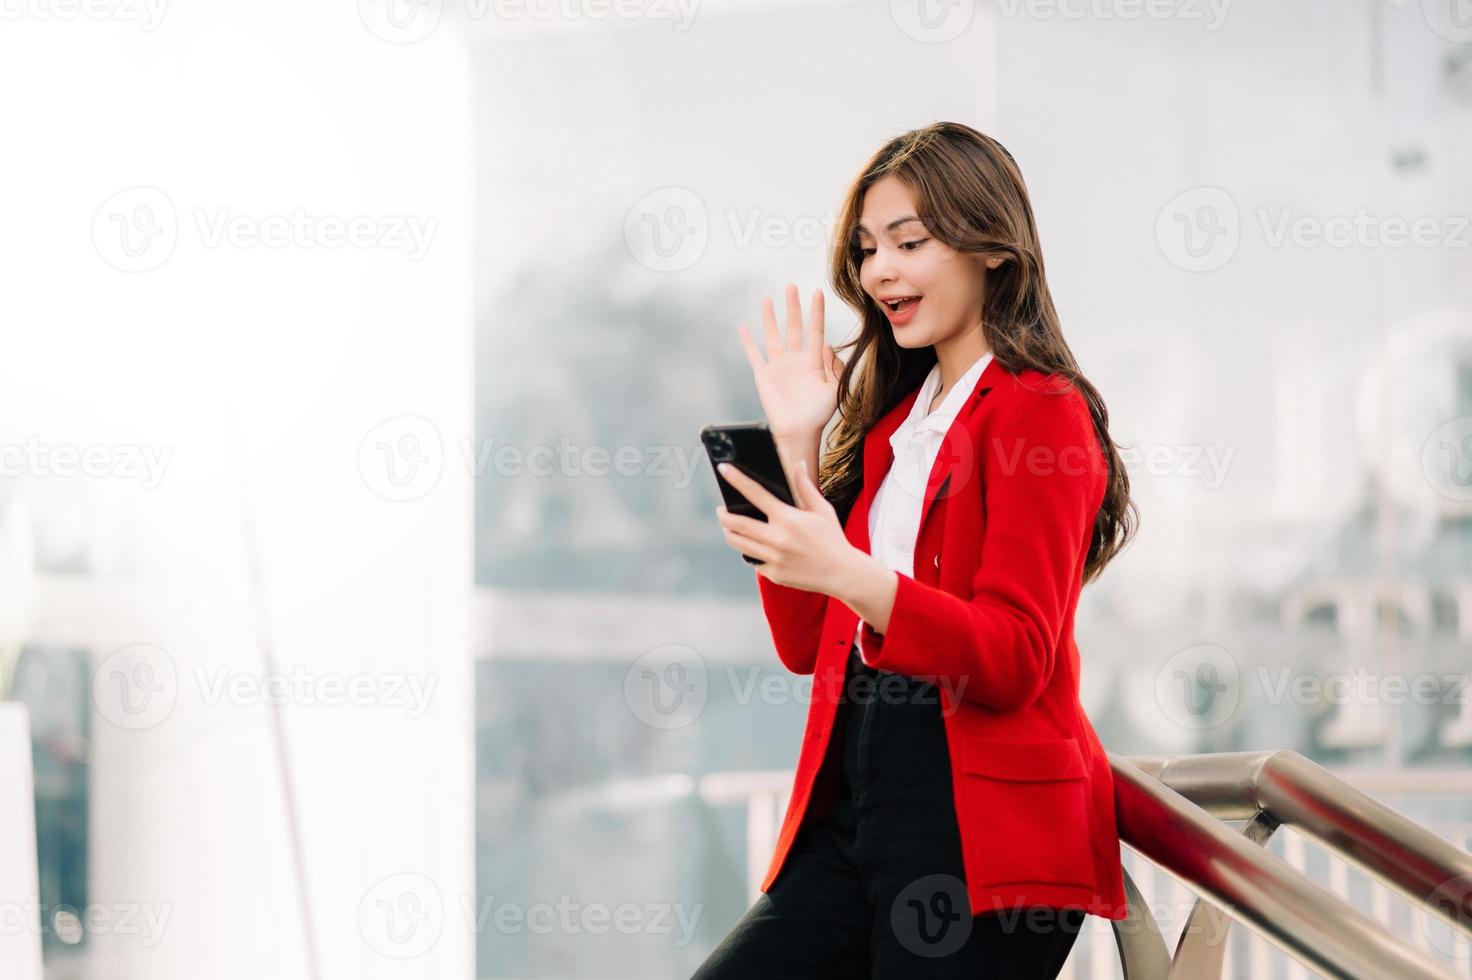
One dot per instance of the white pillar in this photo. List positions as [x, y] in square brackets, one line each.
[245, 252]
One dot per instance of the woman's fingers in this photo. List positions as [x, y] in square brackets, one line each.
[749, 546]
[815, 323]
[761, 498]
[753, 356]
[797, 330]
[773, 337]
[748, 527]
[794, 319]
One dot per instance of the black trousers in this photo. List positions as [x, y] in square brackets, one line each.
[875, 886]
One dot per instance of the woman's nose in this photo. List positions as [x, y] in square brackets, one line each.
[882, 268]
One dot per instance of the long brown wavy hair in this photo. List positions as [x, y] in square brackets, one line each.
[970, 195]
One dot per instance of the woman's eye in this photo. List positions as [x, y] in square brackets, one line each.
[904, 245]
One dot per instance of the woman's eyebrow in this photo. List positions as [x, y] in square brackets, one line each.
[892, 225]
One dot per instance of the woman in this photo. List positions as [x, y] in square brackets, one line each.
[952, 812]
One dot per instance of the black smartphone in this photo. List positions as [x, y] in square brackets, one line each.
[748, 445]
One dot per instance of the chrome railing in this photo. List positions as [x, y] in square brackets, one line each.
[1174, 813]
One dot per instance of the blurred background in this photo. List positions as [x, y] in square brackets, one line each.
[363, 612]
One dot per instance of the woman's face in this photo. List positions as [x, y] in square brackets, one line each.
[900, 258]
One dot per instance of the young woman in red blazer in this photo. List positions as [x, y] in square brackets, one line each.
[963, 824]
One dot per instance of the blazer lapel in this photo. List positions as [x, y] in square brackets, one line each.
[956, 456]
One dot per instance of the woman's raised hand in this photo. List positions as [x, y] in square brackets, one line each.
[797, 382]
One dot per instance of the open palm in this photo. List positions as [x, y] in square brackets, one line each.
[798, 380]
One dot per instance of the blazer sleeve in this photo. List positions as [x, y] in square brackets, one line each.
[795, 617]
[1044, 476]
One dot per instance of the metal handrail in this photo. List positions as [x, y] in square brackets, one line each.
[1237, 877]
[1173, 810]
[1297, 791]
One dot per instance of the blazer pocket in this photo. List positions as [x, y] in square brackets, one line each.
[1029, 800]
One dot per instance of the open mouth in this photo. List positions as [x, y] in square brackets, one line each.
[902, 304]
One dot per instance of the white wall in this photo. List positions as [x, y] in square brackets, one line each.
[266, 368]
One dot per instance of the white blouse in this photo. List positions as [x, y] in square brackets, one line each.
[894, 517]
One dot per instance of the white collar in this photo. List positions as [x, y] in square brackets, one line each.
[945, 413]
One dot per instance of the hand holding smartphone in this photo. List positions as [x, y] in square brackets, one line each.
[749, 446]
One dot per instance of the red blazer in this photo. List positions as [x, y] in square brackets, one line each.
[1005, 526]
